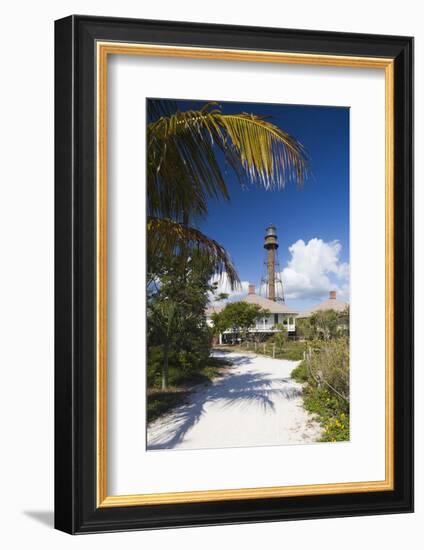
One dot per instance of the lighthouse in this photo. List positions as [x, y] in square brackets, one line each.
[271, 279]
[270, 296]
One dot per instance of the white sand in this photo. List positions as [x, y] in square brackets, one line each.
[256, 403]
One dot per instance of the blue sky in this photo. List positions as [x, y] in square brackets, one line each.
[312, 222]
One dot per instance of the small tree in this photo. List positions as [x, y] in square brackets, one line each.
[164, 319]
[239, 317]
[304, 329]
[324, 325]
[220, 323]
[176, 313]
[281, 337]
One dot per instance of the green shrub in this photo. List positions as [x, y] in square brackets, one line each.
[332, 412]
[161, 402]
[185, 367]
[218, 362]
[293, 351]
[336, 428]
[329, 365]
[300, 373]
[325, 375]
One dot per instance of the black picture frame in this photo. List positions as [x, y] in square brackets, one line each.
[76, 510]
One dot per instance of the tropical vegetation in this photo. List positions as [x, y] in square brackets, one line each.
[323, 325]
[185, 154]
[322, 347]
[184, 172]
[237, 317]
[325, 374]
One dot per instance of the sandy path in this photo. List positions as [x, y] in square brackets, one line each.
[256, 403]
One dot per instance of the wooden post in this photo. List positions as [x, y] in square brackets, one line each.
[273, 350]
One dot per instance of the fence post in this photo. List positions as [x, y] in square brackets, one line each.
[264, 348]
[273, 351]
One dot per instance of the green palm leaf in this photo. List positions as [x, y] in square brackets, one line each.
[183, 172]
[166, 237]
[183, 169]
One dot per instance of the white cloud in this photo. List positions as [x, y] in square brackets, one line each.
[223, 286]
[314, 269]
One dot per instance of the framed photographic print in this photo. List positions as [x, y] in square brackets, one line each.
[233, 273]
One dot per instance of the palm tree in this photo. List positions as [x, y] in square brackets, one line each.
[183, 171]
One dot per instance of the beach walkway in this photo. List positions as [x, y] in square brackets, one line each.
[256, 403]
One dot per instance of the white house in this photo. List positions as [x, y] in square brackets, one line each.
[280, 313]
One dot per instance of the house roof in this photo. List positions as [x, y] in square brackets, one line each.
[331, 303]
[273, 307]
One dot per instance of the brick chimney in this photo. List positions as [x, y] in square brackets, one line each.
[333, 294]
[251, 289]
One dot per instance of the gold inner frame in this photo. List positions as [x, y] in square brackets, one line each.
[104, 49]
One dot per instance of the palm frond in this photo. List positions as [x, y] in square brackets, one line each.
[167, 237]
[160, 107]
[183, 170]
[183, 167]
[268, 155]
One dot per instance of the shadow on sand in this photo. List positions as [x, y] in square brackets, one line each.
[240, 390]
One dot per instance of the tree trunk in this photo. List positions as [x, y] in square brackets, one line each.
[165, 367]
